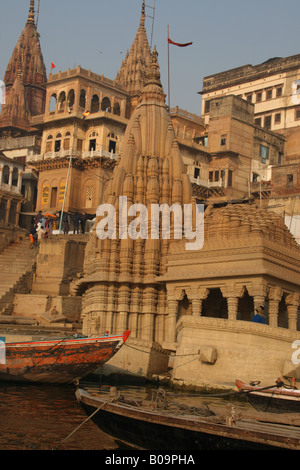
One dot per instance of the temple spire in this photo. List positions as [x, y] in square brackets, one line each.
[31, 13]
[133, 70]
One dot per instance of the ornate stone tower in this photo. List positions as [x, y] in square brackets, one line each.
[121, 282]
[132, 73]
[25, 80]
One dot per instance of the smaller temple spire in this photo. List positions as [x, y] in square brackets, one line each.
[31, 13]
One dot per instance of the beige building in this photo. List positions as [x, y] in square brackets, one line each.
[272, 87]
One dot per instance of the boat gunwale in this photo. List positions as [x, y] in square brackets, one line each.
[199, 424]
[68, 341]
[276, 392]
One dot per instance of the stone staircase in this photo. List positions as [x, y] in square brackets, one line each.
[17, 265]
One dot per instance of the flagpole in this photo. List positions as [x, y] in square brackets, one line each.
[168, 69]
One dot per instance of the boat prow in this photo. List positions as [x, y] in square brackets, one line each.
[278, 398]
[62, 360]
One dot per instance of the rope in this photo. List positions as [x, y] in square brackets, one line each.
[87, 419]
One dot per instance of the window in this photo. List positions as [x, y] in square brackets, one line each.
[258, 122]
[230, 174]
[95, 104]
[249, 97]
[207, 106]
[267, 123]
[71, 99]
[258, 97]
[57, 145]
[269, 94]
[297, 114]
[105, 105]
[5, 174]
[278, 92]
[223, 139]
[280, 155]
[255, 177]
[82, 99]
[211, 176]
[61, 101]
[117, 109]
[196, 172]
[217, 175]
[112, 146]
[289, 181]
[53, 197]
[49, 143]
[264, 153]
[277, 118]
[52, 103]
[92, 145]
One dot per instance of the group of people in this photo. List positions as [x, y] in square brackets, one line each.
[78, 220]
[42, 228]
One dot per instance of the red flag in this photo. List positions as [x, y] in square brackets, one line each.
[52, 66]
[177, 44]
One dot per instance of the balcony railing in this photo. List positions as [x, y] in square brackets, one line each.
[68, 153]
[206, 183]
[10, 188]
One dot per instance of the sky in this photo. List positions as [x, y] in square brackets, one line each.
[97, 33]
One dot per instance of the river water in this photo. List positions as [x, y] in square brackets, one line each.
[44, 417]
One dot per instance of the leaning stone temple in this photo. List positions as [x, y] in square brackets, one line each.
[79, 142]
[121, 279]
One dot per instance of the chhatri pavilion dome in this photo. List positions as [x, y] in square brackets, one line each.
[241, 220]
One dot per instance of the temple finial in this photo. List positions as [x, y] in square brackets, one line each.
[142, 22]
[31, 13]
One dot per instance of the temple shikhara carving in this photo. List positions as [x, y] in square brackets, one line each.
[75, 142]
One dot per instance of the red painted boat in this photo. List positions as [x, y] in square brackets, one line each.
[63, 360]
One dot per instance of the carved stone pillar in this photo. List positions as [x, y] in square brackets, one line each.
[197, 307]
[232, 305]
[292, 303]
[232, 293]
[197, 301]
[275, 295]
[172, 316]
[259, 292]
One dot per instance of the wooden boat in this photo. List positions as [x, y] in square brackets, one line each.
[148, 426]
[279, 398]
[62, 360]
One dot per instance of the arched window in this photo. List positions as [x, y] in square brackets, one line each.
[5, 174]
[67, 140]
[15, 177]
[112, 144]
[52, 103]
[61, 101]
[71, 99]
[82, 99]
[105, 105]
[57, 145]
[49, 143]
[117, 109]
[95, 104]
[92, 141]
